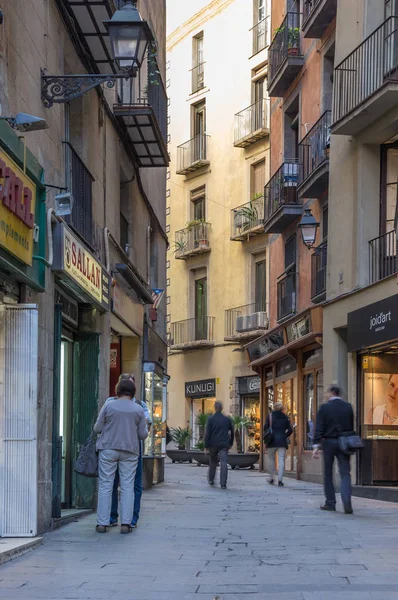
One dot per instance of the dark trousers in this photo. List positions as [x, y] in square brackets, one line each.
[215, 455]
[137, 493]
[331, 450]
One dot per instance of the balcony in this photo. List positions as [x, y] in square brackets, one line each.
[314, 159]
[247, 220]
[260, 36]
[317, 15]
[282, 206]
[192, 240]
[252, 124]
[144, 114]
[193, 155]
[246, 322]
[285, 56]
[198, 77]
[286, 292]
[318, 273]
[192, 334]
[383, 257]
[365, 86]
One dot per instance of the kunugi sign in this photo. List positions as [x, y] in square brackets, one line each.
[200, 389]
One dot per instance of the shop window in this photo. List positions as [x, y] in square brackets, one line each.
[251, 410]
[312, 357]
[200, 407]
[313, 396]
[380, 395]
[156, 404]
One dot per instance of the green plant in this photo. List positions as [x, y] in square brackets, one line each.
[201, 422]
[195, 222]
[239, 424]
[200, 445]
[180, 436]
[293, 37]
[180, 246]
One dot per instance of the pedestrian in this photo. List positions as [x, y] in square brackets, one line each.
[138, 474]
[122, 424]
[335, 419]
[219, 438]
[282, 429]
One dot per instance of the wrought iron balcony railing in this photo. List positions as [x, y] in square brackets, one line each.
[285, 43]
[371, 65]
[252, 123]
[286, 293]
[248, 219]
[194, 239]
[198, 77]
[281, 188]
[260, 35]
[246, 321]
[314, 147]
[198, 331]
[383, 252]
[318, 272]
[193, 154]
[308, 8]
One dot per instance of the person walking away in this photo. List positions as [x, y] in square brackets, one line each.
[335, 418]
[219, 438]
[121, 425]
[281, 431]
[138, 474]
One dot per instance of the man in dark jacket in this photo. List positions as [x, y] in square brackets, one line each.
[219, 438]
[335, 418]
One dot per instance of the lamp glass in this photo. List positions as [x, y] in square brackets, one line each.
[129, 44]
[308, 233]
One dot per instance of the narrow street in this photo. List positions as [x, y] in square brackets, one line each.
[196, 542]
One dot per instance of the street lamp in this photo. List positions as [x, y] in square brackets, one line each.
[308, 226]
[129, 36]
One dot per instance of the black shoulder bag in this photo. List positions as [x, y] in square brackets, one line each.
[268, 435]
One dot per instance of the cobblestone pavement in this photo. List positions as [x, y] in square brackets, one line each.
[250, 542]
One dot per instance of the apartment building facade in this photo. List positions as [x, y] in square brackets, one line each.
[217, 290]
[83, 245]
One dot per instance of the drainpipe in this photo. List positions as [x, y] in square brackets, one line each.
[106, 243]
[148, 253]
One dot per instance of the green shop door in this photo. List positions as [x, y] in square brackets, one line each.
[85, 410]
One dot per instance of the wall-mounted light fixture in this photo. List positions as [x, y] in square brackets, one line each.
[308, 227]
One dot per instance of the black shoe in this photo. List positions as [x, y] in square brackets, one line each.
[211, 482]
[280, 483]
[348, 510]
[328, 508]
[271, 481]
[223, 487]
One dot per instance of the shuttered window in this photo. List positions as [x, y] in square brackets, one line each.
[257, 180]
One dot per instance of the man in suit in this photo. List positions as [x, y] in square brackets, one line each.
[335, 418]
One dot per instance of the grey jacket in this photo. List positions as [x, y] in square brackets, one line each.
[122, 424]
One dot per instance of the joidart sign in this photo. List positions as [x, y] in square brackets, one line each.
[200, 389]
[76, 262]
[373, 324]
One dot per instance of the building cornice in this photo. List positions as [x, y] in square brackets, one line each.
[210, 11]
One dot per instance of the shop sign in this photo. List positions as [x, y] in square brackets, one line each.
[373, 324]
[249, 385]
[79, 265]
[17, 210]
[264, 346]
[200, 389]
[298, 329]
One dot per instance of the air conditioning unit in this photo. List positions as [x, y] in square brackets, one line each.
[258, 320]
[242, 323]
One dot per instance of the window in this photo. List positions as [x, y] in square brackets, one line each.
[291, 130]
[260, 286]
[257, 179]
[389, 175]
[327, 80]
[198, 78]
[290, 253]
[198, 204]
[199, 131]
[259, 27]
[124, 233]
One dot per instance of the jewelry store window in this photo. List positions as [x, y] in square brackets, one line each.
[380, 394]
[313, 393]
[155, 398]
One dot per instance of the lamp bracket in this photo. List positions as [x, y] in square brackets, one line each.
[63, 88]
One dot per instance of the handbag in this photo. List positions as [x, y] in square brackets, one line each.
[349, 444]
[268, 436]
[87, 461]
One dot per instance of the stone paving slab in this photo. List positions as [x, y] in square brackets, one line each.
[250, 542]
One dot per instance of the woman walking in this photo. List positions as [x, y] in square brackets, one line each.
[281, 430]
[122, 425]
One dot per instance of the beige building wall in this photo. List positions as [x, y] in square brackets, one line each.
[229, 267]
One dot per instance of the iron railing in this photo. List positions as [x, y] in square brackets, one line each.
[193, 152]
[383, 256]
[285, 43]
[314, 147]
[371, 65]
[244, 319]
[247, 217]
[308, 8]
[260, 35]
[252, 119]
[198, 77]
[192, 240]
[318, 270]
[198, 329]
[281, 188]
[79, 182]
[286, 292]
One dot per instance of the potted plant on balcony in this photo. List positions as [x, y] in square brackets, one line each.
[240, 459]
[199, 228]
[248, 215]
[180, 247]
[181, 437]
[293, 41]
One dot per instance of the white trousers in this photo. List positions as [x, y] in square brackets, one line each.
[281, 462]
[108, 461]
